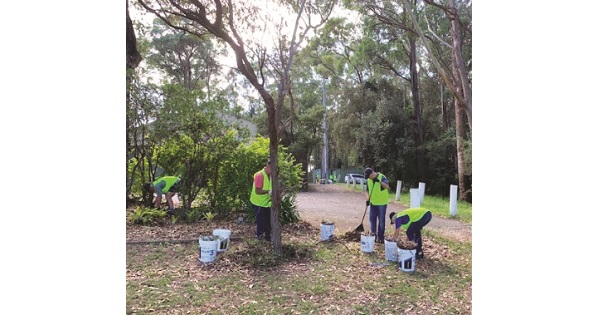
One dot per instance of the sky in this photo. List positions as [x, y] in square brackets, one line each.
[535, 160]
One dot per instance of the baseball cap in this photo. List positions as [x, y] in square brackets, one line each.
[392, 214]
[368, 171]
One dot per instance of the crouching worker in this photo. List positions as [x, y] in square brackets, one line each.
[411, 220]
[164, 185]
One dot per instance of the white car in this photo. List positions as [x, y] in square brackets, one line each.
[359, 178]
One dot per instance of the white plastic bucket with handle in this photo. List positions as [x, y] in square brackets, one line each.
[367, 243]
[208, 249]
[223, 241]
[391, 251]
[406, 259]
[326, 231]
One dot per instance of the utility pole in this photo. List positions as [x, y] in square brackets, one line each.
[324, 154]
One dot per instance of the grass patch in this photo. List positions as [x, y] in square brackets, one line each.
[438, 205]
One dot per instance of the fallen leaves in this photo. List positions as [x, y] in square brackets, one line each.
[340, 282]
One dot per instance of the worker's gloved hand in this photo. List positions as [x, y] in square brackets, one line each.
[270, 193]
[368, 203]
[375, 180]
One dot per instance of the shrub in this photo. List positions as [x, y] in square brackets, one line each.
[287, 214]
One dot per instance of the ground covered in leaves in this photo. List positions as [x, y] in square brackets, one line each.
[311, 277]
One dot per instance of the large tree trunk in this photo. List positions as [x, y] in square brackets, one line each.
[462, 79]
[133, 59]
[414, 80]
[460, 150]
[460, 136]
[459, 85]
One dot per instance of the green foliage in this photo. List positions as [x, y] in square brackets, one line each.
[290, 176]
[288, 213]
[439, 205]
[142, 108]
[134, 179]
[185, 58]
[193, 215]
[146, 216]
[209, 216]
[230, 187]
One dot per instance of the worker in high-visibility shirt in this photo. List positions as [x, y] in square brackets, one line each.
[164, 185]
[260, 198]
[411, 220]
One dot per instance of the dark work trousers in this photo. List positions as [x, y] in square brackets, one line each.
[414, 232]
[263, 222]
[377, 215]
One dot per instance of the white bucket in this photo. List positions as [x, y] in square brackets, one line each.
[223, 242]
[208, 250]
[406, 259]
[391, 251]
[367, 243]
[326, 231]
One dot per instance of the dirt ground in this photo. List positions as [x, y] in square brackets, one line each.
[346, 209]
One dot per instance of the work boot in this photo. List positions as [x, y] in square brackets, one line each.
[420, 256]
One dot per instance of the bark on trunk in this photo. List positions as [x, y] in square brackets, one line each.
[460, 151]
[414, 79]
[463, 79]
[460, 136]
[133, 57]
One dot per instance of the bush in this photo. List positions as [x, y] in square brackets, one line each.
[287, 214]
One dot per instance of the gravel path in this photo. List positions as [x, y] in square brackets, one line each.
[344, 207]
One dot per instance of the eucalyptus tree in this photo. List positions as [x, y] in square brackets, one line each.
[398, 27]
[337, 56]
[302, 129]
[237, 25]
[395, 50]
[187, 59]
[455, 74]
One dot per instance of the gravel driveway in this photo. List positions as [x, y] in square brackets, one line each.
[344, 207]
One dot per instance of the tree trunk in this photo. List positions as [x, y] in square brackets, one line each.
[274, 125]
[459, 86]
[133, 57]
[132, 60]
[460, 151]
[414, 79]
[460, 136]
[462, 78]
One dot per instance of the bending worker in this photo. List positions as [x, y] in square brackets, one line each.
[164, 185]
[411, 220]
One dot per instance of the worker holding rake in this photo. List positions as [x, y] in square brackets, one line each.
[378, 199]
